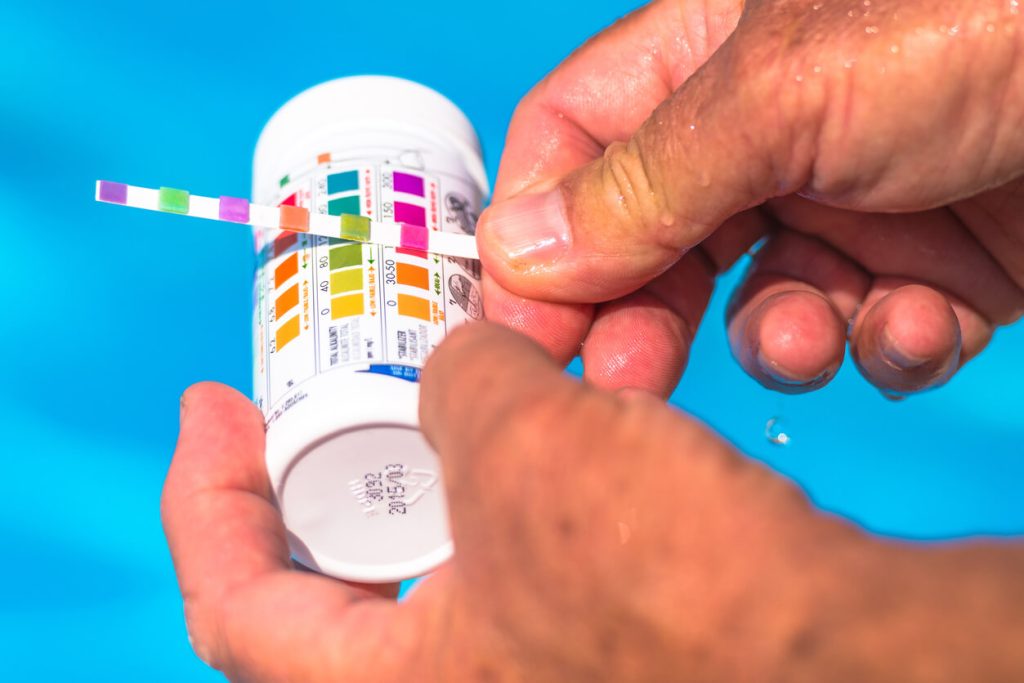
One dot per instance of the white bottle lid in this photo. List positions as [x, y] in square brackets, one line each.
[362, 111]
[331, 465]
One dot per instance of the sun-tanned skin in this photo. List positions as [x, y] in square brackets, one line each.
[602, 535]
[599, 536]
[876, 143]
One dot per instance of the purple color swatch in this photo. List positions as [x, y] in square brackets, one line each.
[414, 237]
[234, 209]
[410, 184]
[410, 213]
[115, 193]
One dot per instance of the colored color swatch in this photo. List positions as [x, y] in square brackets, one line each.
[294, 218]
[414, 307]
[343, 182]
[288, 268]
[414, 237]
[410, 213]
[234, 209]
[349, 280]
[289, 201]
[355, 228]
[413, 276]
[337, 207]
[284, 242]
[116, 193]
[346, 306]
[323, 158]
[287, 332]
[408, 183]
[175, 201]
[346, 256]
[287, 301]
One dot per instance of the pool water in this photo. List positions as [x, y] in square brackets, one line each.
[108, 314]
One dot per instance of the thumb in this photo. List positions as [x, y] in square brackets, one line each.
[616, 223]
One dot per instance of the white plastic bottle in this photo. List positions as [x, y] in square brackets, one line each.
[341, 330]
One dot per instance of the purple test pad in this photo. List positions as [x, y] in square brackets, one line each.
[234, 209]
[115, 193]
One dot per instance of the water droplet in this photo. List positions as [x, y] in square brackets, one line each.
[991, 28]
[799, 78]
[871, 29]
[895, 49]
[848, 64]
[1014, 6]
[693, 126]
[867, 3]
[774, 431]
[817, 6]
[850, 13]
[817, 69]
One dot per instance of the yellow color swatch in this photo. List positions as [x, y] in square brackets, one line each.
[350, 280]
[346, 306]
[414, 307]
[287, 332]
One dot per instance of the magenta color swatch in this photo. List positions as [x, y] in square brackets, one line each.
[115, 193]
[234, 209]
[414, 237]
[410, 213]
[410, 184]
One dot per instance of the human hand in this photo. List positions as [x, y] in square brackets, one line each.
[876, 143]
[598, 537]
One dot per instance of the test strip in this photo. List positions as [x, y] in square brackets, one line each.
[406, 236]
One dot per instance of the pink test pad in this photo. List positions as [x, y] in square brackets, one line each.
[415, 237]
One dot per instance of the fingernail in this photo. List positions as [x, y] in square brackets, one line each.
[774, 372]
[531, 227]
[896, 355]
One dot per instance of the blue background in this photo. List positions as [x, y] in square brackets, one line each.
[108, 314]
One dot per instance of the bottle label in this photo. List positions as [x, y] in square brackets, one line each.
[324, 305]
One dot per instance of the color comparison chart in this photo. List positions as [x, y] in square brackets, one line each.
[376, 302]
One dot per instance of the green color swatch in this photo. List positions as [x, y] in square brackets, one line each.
[337, 207]
[355, 228]
[175, 201]
[284, 181]
[348, 280]
[348, 255]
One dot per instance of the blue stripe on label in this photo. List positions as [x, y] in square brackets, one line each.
[407, 372]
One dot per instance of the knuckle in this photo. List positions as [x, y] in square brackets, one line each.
[630, 190]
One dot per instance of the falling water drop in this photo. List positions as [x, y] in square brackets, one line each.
[774, 431]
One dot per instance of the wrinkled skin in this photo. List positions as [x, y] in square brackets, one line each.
[875, 144]
[599, 536]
